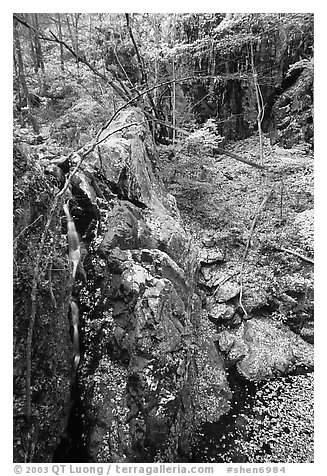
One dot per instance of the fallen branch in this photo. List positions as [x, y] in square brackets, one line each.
[219, 150]
[187, 181]
[254, 222]
[295, 253]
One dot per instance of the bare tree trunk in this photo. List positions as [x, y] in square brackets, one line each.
[260, 105]
[62, 63]
[90, 27]
[174, 87]
[212, 69]
[75, 19]
[22, 80]
[39, 57]
[17, 87]
[72, 39]
[156, 61]
[70, 31]
[144, 78]
[163, 129]
[38, 47]
[32, 46]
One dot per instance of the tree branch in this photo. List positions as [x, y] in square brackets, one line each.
[254, 222]
[219, 150]
[138, 95]
[24, 229]
[295, 253]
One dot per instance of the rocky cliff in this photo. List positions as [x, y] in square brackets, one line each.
[149, 371]
[164, 348]
[143, 377]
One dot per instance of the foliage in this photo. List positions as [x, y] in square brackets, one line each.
[203, 140]
[211, 50]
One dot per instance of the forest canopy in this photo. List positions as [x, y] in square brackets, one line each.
[195, 66]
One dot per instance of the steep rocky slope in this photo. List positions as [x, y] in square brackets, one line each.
[167, 356]
[149, 371]
[219, 199]
[143, 377]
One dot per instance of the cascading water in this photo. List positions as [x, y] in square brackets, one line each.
[71, 448]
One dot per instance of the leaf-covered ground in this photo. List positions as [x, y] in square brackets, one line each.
[219, 198]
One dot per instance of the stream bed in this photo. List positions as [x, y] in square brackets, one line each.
[269, 422]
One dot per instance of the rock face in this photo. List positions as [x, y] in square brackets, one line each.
[262, 349]
[153, 360]
[292, 113]
[288, 100]
[149, 373]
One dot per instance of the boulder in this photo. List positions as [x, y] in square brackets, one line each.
[211, 256]
[125, 159]
[254, 297]
[208, 241]
[220, 312]
[262, 349]
[210, 276]
[227, 291]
